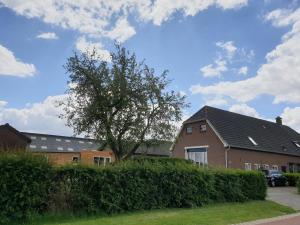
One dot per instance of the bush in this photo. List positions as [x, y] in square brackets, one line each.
[24, 185]
[138, 184]
[298, 186]
[292, 178]
[155, 183]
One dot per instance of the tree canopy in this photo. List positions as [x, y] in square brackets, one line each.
[121, 103]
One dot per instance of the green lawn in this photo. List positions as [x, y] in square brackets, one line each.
[216, 214]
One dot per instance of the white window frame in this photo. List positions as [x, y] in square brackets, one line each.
[58, 139]
[247, 166]
[266, 166]
[203, 127]
[193, 147]
[70, 149]
[81, 142]
[256, 166]
[68, 140]
[77, 157]
[44, 138]
[44, 147]
[32, 146]
[191, 129]
[60, 148]
[275, 167]
[33, 137]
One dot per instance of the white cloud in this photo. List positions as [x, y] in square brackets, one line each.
[214, 70]
[278, 77]
[229, 47]
[95, 17]
[291, 117]
[47, 36]
[216, 101]
[122, 31]
[83, 45]
[2, 104]
[41, 117]
[244, 109]
[12, 66]
[243, 70]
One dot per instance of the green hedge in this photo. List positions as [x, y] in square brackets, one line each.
[292, 178]
[298, 186]
[24, 186]
[133, 185]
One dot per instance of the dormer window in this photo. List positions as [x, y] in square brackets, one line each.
[189, 130]
[297, 143]
[252, 141]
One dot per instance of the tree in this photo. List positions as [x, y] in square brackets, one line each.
[121, 103]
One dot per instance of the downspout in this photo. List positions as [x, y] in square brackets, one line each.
[226, 155]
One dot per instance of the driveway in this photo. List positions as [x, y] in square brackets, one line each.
[285, 195]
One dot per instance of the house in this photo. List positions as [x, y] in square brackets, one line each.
[221, 138]
[64, 149]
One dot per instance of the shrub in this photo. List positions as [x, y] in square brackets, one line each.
[292, 178]
[138, 184]
[24, 185]
[298, 186]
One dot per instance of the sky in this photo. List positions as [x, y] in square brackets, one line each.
[238, 55]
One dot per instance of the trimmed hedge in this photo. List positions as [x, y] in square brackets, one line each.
[24, 186]
[298, 186]
[292, 178]
[143, 183]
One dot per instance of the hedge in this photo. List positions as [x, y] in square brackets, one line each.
[24, 186]
[133, 185]
[298, 186]
[292, 178]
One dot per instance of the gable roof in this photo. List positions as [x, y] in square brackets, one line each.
[16, 132]
[235, 129]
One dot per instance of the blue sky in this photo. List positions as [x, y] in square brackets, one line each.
[239, 55]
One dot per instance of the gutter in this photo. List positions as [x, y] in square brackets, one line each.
[226, 155]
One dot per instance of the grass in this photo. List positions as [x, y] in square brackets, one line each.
[217, 214]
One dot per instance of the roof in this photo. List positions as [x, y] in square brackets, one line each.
[57, 143]
[235, 129]
[15, 131]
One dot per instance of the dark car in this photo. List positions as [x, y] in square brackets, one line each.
[275, 178]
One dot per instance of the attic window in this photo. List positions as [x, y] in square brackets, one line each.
[189, 130]
[43, 138]
[67, 140]
[33, 137]
[58, 139]
[202, 127]
[297, 143]
[252, 141]
[60, 148]
[44, 147]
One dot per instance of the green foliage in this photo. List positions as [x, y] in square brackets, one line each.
[121, 102]
[298, 185]
[292, 178]
[24, 185]
[30, 185]
[149, 183]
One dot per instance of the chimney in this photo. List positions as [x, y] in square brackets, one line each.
[279, 120]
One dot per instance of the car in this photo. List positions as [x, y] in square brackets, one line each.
[275, 178]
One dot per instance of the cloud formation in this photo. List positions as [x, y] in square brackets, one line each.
[41, 117]
[12, 66]
[47, 36]
[278, 77]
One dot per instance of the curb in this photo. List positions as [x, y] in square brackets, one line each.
[273, 219]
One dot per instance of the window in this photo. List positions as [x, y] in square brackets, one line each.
[44, 147]
[67, 140]
[202, 127]
[58, 139]
[60, 148]
[247, 166]
[256, 166]
[81, 142]
[252, 141]
[189, 130]
[32, 146]
[43, 138]
[297, 143]
[266, 166]
[275, 167]
[99, 161]
[75, 159]
[90, 142]
[70, 149]
[197, 154]
[33, 137]
[107, 160]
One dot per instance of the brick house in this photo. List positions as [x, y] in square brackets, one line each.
[63, 149]
[220, 138]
